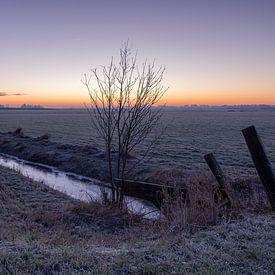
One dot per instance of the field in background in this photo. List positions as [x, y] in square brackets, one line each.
[189, 134]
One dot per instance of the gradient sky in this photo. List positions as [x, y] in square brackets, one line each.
[215, 51]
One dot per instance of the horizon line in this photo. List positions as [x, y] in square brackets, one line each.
[33, 106]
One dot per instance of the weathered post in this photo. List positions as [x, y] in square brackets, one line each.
[215, 169]
[218, 173]
[261, 162]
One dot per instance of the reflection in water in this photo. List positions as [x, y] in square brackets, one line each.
[76, 186]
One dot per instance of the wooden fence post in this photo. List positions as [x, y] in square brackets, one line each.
[215, 168]
[261, 162]
[218, 173]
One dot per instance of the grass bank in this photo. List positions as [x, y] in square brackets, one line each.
[45, 232]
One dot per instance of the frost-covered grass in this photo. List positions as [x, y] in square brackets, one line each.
[243, 247]
[45, 232]
[189, 135]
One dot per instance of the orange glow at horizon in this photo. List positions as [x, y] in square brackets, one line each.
[170, 98]
[236, 97]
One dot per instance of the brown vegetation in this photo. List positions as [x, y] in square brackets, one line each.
[45, 232]
[203, 202]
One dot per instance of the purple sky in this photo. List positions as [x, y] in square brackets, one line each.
[215, 51]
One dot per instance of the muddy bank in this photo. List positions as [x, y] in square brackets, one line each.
[84, 160]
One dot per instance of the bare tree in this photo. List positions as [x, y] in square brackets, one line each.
[123, 108]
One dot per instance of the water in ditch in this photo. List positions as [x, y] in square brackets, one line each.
[76, 186]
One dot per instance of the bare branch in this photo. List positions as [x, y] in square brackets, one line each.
[122, 108]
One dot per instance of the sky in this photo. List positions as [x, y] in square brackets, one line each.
[215, 51]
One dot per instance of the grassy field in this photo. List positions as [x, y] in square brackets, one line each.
[188, 136]
[45, 232]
